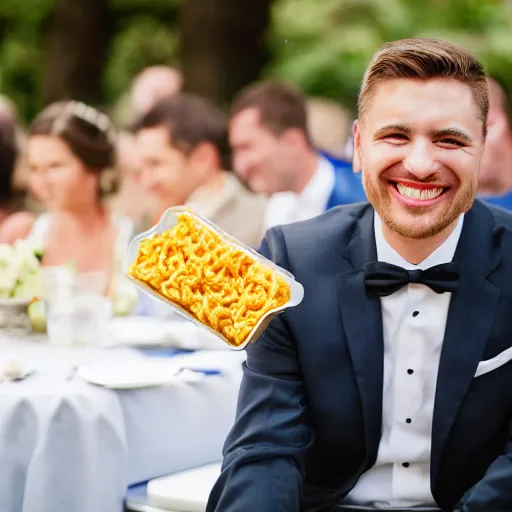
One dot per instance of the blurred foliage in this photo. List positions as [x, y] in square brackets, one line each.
[321, 45]
[324, 46]
[144, 41]
[144, 33]
[22, 24]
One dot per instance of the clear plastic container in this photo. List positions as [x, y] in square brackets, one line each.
[168, 220]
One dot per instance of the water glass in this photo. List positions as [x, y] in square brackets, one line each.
[77, 313]
[82, 319]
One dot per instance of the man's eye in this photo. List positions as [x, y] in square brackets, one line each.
[396, 136]
[452, 143]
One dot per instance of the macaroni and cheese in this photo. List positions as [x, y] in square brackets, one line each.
[215, 281]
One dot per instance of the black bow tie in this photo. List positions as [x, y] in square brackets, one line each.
[383, 279]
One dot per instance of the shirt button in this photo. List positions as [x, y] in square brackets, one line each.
[405, 464]
[410, 371]
[415, 313]
[408, 420]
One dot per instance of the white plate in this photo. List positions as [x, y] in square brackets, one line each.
[130, 374]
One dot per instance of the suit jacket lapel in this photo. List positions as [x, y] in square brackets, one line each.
[362, 322]
[469, 323]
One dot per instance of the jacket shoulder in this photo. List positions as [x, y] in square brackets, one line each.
[336, 219]
[320, 238]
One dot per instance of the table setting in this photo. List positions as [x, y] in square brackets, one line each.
[78, 425]
[95, 398]
[92, 402]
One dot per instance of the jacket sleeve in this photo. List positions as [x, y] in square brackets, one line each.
[264, 454]
[494, 491]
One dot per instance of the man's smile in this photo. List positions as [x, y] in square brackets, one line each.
[417, 194]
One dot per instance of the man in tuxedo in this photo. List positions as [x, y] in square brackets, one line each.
[389, 385]
[273, 154]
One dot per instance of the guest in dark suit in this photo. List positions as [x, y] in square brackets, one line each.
[389, 386]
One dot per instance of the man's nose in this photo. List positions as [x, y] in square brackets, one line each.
[420, 160]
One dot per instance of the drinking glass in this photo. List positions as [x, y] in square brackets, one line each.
[77, 313]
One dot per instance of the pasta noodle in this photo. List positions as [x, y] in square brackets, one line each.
[216, 282]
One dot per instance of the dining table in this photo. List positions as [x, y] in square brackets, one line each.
[72, 442]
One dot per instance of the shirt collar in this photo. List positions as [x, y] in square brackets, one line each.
[443, 254]
[321, 183]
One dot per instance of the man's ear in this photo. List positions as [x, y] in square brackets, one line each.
[294, 137]
[356, 159]
[205, 153]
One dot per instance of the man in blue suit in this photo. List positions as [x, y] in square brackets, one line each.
[389, 385]
[273, 155]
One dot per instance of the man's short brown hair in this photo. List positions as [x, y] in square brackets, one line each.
[281, 106]
[424, 59]
[190, 121]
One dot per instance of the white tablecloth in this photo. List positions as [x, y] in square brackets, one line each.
[68, 446]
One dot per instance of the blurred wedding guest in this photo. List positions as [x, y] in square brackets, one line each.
[329, 126]
[28, 200]
[148, 87]
[273, 154]
[495, 178]
[182, 145]
[9, 115]
[69, 147]
[14, 222]
[128, 200]
[153, 84]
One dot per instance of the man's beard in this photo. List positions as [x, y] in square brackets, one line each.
[416, 228]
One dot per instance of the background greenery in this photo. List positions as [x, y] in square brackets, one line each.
[326, 48]
[321, 45]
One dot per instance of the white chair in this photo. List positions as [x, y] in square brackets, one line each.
[186, 491]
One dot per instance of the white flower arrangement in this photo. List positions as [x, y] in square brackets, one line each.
[20, 271]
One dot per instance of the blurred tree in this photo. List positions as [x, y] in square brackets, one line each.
[22, 25]
[325, 49]
[42, 38]
[76, 50]
[92, 48]
[223, 45]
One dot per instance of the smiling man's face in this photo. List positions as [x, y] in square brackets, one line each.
[420, 143]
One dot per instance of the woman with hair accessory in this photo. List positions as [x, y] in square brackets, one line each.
[70, 146]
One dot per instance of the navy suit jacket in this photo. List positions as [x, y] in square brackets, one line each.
[310, 407]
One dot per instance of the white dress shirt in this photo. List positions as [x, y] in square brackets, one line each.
[413, 322]
[288, 207]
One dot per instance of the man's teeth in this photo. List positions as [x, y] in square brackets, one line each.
[419, 193]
